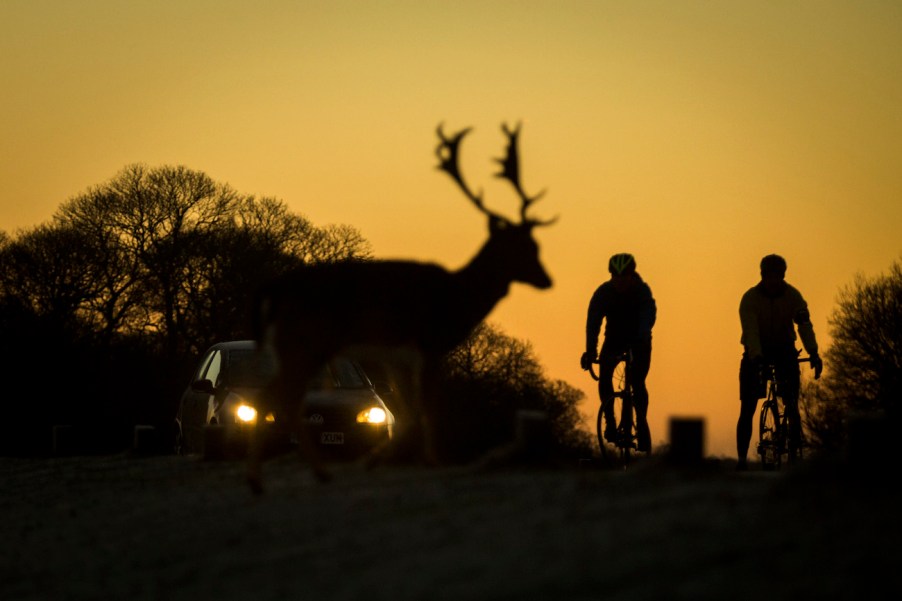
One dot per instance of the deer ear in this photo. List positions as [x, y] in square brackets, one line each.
[498, 224]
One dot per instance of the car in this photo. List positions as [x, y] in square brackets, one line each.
[345, 414]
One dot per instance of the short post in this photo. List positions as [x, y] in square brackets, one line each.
[533, 433]
[687, 440]
[145, 439]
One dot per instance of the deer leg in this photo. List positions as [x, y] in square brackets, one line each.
[289, 389]
[426, 397]
[385, 451]
[401, 447]
[307, 449]
[409, 447]
[285, 394]
[255, 453]
[414, 441]
[375, 455]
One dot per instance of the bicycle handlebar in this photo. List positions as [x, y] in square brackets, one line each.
[799, 359]
[624, 356]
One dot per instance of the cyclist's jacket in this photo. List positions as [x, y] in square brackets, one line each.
[629, 315]
[767, 321]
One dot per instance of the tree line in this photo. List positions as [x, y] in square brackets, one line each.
[105, 309]
[863, 365]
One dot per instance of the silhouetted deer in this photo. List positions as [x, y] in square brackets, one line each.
[422, 310]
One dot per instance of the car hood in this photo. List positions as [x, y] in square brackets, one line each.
[348, 397]
[331, 397]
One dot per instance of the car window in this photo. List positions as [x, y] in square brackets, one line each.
[214, 369]
[242, 369]
[347, 374]
[203, 365]
[246, 369]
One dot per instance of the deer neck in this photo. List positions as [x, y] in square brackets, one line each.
[484, 279]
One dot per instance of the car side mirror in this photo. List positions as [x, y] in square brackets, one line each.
[383, 388]
[205, 386]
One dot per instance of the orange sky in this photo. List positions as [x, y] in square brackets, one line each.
[698, 135]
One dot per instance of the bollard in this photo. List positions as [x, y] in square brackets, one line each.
[533, 433]
[145, 439]
[687, 440]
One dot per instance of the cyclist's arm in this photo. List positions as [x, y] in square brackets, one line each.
[594, 318]
[748, 319]
[648, 313]
[802, 319]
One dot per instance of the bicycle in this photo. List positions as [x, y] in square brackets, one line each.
[773, 425]
[625, 441]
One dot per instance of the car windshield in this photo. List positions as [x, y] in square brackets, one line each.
[245, 371]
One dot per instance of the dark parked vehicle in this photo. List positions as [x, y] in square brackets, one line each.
[345, 415]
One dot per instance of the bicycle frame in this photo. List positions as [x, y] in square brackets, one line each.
[626, 439]
[773, 425]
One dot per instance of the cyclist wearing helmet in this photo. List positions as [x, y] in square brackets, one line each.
[626, 304]
[770, 312]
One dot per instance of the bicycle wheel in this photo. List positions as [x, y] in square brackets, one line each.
[625, 439]
[625, 414]
[624, 442]
[770, 439]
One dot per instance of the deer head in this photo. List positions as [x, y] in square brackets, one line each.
[510, 244]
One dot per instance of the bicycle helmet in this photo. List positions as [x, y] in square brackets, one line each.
[622, 263]
[773, 264]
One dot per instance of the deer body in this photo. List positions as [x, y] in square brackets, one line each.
[307, 316]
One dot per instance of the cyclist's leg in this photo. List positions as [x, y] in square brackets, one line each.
[749, 390]
[788, 376]
[607, 361]
[794, 421]
[638, 374]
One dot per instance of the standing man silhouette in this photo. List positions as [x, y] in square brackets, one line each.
[769, 313]
[626, 304]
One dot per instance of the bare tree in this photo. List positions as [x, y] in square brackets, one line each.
[488, 378]
[149, 211]
[137, 274]
[48, 269]
[179, 255]
[295, 236]
[488, 353]
[864, 362]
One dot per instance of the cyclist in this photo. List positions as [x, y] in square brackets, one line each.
[770, 312]
[626, 304]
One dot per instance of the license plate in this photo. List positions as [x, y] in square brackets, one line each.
[332, 437]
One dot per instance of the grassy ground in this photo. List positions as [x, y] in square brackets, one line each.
[166, 527]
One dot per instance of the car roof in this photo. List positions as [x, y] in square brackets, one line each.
[232, 345]
[250, 345]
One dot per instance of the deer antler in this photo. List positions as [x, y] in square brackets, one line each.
[447, 155]
[510, 170]
[447, 152]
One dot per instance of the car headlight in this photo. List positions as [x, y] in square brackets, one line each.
[246, 414]
[372, 415]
